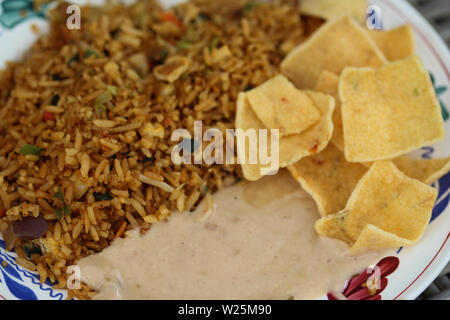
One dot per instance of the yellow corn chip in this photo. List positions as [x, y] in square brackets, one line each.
[332, 226]
[387, 199]
[279, 105]
[336, 45]
[388, 112]
[293, 147]
[297, 146]
[374, 238]
[396, 44]
[329, 83]
[331, 9]
[328, 178]
[425, 170]
[245, 120]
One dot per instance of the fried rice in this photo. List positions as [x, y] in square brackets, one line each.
[86, 118]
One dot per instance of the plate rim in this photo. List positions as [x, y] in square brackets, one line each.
[410, 15]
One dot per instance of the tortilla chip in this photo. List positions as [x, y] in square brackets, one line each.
[374, 238]
[332, 9]
[279, 105]
[396, 44]
[315, 139]
[331, 226]
[388, 112]
[245, 120]
[425, 170]
[336, 45]
[387, 199]
[292, 148]
[329, 83]
[328, 178]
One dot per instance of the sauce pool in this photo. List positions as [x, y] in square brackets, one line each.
[258, 242]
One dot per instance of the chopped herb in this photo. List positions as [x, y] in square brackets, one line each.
[65, 209]
[140, 74]
[30, 149]
[112, 89]
[57, 77]
[192, 34]
[158, 54]
[164, 55]
[55, 100]
[147, 160]
[214, 43]
[59, 195]
[103, 196]
[89, 52]
[59, 213]
[104, 97]
[74, 58]
[184, 45]
[185, 75]
[248, 88]
[100, 109]
[250, 6]
[31, 249]
[416, 92]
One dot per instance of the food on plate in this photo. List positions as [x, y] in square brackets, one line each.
[396, 44]
[388, 112]
[387, 206]
[425, 170]
[332, 9]
[91, 112]
[279, 105]
[259, 238]
[87, 120]
[328, 178]
[328, 83]
[291, 147]
[246, 119]
[337, 44]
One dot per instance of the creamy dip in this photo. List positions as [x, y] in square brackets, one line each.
[257, 243]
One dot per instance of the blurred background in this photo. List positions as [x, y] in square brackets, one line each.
[438, 13]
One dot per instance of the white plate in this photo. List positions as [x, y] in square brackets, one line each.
[419, 265]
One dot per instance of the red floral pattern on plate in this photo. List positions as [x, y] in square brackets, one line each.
[358, 288]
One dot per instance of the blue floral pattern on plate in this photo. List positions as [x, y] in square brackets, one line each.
[22, 283]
